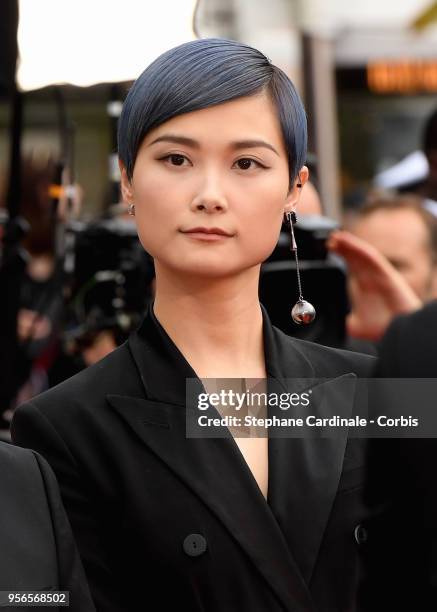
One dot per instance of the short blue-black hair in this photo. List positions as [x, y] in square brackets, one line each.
[202, 73]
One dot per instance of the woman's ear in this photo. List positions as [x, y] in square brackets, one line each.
[293, 196]
[125, 183]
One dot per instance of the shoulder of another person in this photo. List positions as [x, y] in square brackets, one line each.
[424, 320]
[409, 346]
[409, 331]
[15, 460]
[20, 473]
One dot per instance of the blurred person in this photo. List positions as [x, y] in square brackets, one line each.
[377, 290]
[409, 347]
[406, 234]
[163, 521]
[400, 560]
[43, 204]
[41, 302]
[103, 344]
[38, 550]
[40, 299]
[40, 295]
[401, 480]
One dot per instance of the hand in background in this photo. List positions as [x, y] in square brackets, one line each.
[377, 291]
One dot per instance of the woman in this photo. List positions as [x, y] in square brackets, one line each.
[212, 142]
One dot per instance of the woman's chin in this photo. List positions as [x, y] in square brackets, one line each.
[203, 269]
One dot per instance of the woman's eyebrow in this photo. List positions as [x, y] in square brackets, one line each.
[190, 142]
[248, 144]
[177, 139]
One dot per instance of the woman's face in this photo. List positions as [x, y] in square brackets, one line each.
[221, 167]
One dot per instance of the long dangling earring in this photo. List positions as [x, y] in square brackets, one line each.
[302, 312]
[131, 209]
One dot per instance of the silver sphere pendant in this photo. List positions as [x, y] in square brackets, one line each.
[303, 312]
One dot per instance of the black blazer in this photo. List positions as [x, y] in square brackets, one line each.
[37, 548]
[409, 347]
[164, 522]
[401, 568]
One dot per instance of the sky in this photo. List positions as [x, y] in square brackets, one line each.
[83, 42]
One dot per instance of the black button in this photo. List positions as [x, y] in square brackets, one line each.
[194, 544]
[360, 534]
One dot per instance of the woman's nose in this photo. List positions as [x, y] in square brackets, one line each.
[210, 205]
[210, 198]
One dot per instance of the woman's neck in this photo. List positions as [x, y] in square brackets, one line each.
[217, 325]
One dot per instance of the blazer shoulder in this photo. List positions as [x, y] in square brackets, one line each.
[28, 474]
[23, 476]
[17, 462]
[422, 322]
[328, 361]
[409, 346]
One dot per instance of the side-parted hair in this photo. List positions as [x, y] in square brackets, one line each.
[202, 73]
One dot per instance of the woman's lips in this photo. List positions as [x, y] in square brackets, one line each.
[206, 236]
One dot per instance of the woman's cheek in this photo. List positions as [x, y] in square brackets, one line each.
[151, 226]
[261, 242]
[146, 241]
[265, 234]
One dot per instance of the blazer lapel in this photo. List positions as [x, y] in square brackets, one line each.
[304, 472]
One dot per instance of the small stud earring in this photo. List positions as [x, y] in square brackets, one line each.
[131, 209]
[299, 184]
[302, 312]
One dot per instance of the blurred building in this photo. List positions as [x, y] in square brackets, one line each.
[367, 71]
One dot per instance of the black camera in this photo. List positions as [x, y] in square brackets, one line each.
[323, 277]
[108, 279]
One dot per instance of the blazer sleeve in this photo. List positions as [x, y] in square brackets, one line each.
[71, 574]
[31, 429]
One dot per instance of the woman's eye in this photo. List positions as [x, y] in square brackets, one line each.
[245, 163]
[175, 159]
